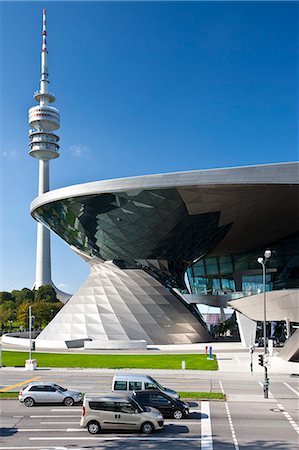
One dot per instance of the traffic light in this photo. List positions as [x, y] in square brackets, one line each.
[261, 360]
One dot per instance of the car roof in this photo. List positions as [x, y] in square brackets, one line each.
[45, 383]
[114, 397]
[135, 376]
[152, 391]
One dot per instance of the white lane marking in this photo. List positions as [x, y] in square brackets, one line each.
[269, 393]
[17, 417]
[58, 423]
[231, 427]
[47, 430]
[289, 418]
[74, 430]
[238, 361]
[116, 438]
[52, 416]
[206, 427]
[292, 389]
[34, 448]
[221, 387]
[67, 410]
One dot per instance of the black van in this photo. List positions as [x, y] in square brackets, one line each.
[169, 407]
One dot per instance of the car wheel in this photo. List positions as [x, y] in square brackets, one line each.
[177, 414]
[29, 402]
[94, 427]
[147, 428]
[68, 401]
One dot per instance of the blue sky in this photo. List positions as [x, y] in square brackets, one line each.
[142, 87]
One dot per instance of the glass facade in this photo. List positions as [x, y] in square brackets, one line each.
[163, 231]
[242, 273]
[148, 229]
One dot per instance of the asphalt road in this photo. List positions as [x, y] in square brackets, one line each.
[245, 421]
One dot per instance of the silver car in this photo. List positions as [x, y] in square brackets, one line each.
[43, 392]
[118, 412]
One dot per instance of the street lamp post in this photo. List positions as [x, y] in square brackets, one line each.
[30, 340]
[263, 262]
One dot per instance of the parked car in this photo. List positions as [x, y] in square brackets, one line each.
[168, 406]
[118, 412]
[129, 382]
[43, 392]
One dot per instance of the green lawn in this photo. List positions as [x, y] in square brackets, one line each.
[183, 395]
[193, 362]
[202, 395]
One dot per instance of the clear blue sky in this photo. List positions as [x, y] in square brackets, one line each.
[142, 87]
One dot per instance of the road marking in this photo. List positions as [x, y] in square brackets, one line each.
[58, 423]
[68, 409]
[74, 430]
[231, 427]
[51, 416]
[34, 448]
[289, 418]
[292, 389]
[116, 438]
[206, 427]
[221, 387]
[8, 388]
[238, 361]
[34, 430]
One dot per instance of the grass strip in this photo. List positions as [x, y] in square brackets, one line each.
[202, 395]
[9, 394]
[183, 395]
[170, 361]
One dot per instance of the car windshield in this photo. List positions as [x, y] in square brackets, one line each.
[137, 405]
[60, 388]
[157, 384]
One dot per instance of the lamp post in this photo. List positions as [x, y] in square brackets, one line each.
[263, 262]
[30, 340]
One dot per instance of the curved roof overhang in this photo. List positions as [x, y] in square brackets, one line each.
[281, 173]
[215, 212]
[281, 305]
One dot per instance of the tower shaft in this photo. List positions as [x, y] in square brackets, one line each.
[43, 120]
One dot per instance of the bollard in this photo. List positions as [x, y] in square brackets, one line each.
[183, 365]
[210, 353]
[206, 349]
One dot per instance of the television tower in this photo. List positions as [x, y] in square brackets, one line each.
[43, 120]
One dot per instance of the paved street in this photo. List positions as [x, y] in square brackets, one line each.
[211, 425]
[245, 421]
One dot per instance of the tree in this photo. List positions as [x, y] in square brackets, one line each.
[23, 314]
[42, 313]
[24, 294]
[46, 293]
[5, 297]
[7, 313]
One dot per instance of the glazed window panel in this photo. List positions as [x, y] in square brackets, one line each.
[211, 266]
[225, 264]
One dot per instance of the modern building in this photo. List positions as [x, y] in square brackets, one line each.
[141, 235]
[159, 246]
